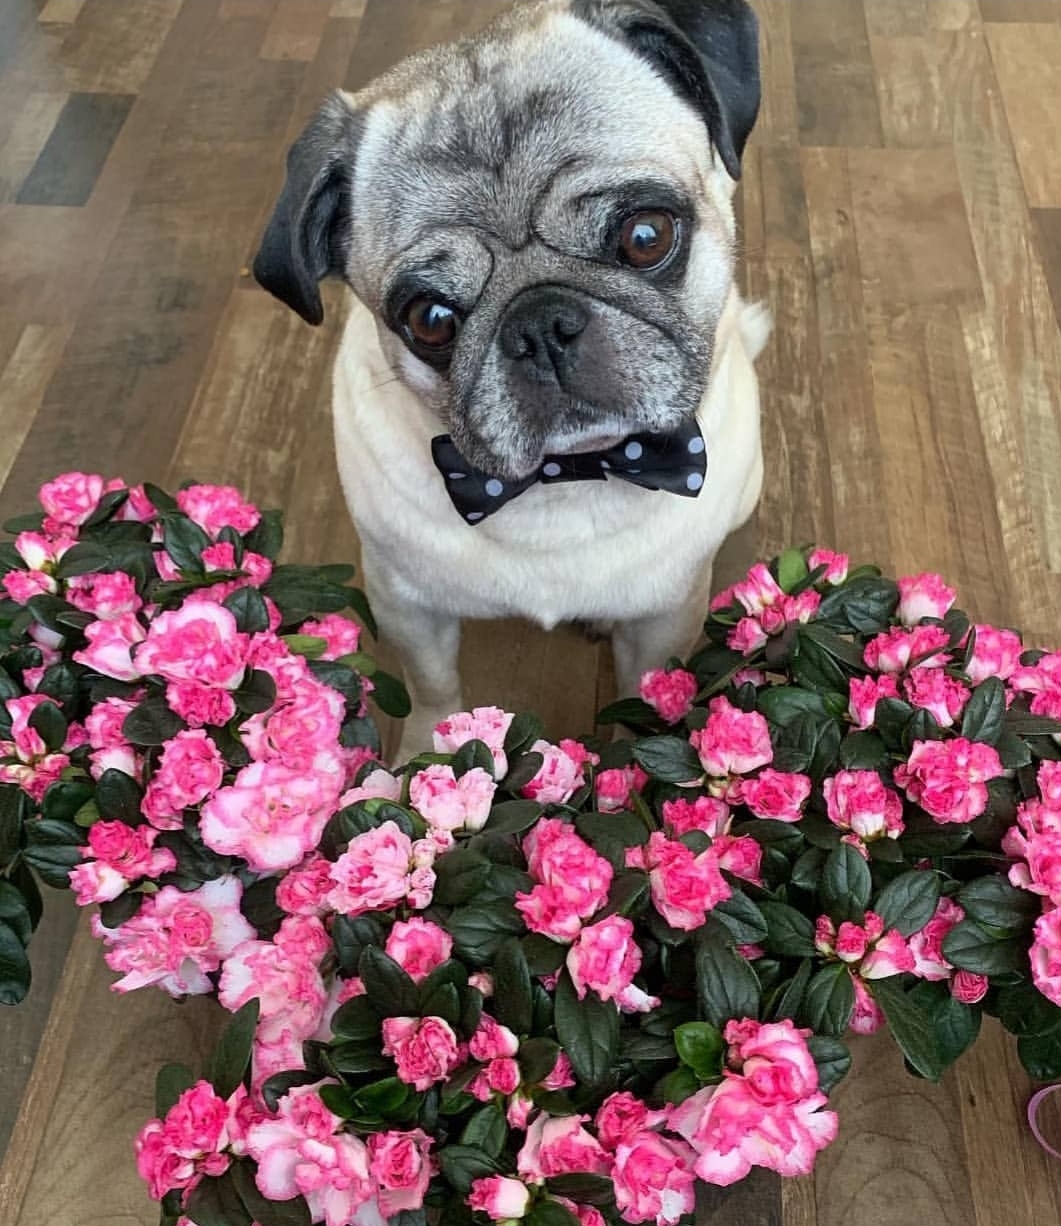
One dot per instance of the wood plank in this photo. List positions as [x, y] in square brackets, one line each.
[899, 18]
[111, 48]
[1020, 313]
[74, 154]
[1020, 10]
[295, 31]
[26, 139]
[1047, 223]
[898, 1158]
[1026, 60]
[913, 239]
[22, 382]
[916, 84]
[755, 1201]
[834, 75]
[779, 111]
[61, 12]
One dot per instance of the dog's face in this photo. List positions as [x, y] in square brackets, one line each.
[539, 218]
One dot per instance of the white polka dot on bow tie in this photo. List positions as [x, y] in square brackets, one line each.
[605, 464]
[473, 516]
[457, 476]
[632, 451]
[695, 445]
[551, 470]
[494, 487]
[693, 481]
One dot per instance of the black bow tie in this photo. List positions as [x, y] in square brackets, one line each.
[675, 462]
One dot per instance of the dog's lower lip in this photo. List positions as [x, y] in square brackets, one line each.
[587, 441]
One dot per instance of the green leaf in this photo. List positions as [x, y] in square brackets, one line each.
[582, 1188]
[789, 932]
[171, 1081]
[829, 1001]
[1013, 753]
[968, 947]
[678, 1085]
[1025, 1011]
[390, 695]
[350, 935]
[215, 1202]
[63, 801]
[537, 1058]
[356, 1019]
[50, 723]
[487, 1130]
[15, 912]
[265, 1212]
[985, 712]
[625, 828]
[544, 955]
[588, 1031]
[726, 985]
[933, 841]
[791, 998]
[118, 797]
[382, 1097]
[669, 758]
[745, 922]
[471, 755]
[521, 770]
[807, 871]
[550, 1213]
[513, 1000]
[996, 904]
[513, 817]
[846, 885]
[267, 536]
[184, 541]
[14, 967]
[863, 751]
[459, 876]
[524, 730]
[60, 683]
[700, 1046]
[462, 1165]
[151, 723]
[390, 989]
[634, 712]
[1022, 724]
[13, 802]
[954, 1025]
[910, 1026]
[832, 1059]
[1041, 1055]
[121, 909]
[248, 607]
[908, 901]
[85, 558]
[791, 569]
[784, 704]
[52, 862]
[256, 694]
[479, 931]
[232, 1055]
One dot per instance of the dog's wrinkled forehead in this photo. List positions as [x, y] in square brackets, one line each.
[500, 131]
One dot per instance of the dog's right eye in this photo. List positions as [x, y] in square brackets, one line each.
[431, 325]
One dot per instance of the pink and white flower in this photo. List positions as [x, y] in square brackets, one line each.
[776, 795]
[448, 803]
[670, 693]
[859, 802]
[732, 742]
[924, 595]
[487, 724]
[425, 1049]
[561, 773]
[948, 779]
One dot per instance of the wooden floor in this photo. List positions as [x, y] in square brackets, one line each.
[901, 216]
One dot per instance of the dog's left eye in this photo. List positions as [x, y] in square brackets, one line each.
[648, 239]
[430, 324]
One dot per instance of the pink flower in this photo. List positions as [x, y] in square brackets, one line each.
[731, 1131]
[732, 742]
[560, 1147]
[889, 956]
[103, 724]
[775, 795]
[560, 1076]
[110, 645]
[122, 855]
[401, 1165]
[867, 1017]
[924, 595]
[684, 886]
[836, 565]
[23, 585]
[895, 649]
[304, 889]
[1040, 848]
[670, 693]
[106, 596]
[604, 958]
[1046, 955]
[621, 1117]
[200, 705]
[740, 855]
[865, 693]
[276, 1142]
[996, 653]
[933, 690]
[747, 636]
[705, 813]
[72, 497]
[214, 507]
[271, 816]
[500, 1198]
[447, 803]
[334, 1178]
[189, 769]
[948, 779]
[968, 987]
[1049, 780]
[375, 872]
[177, 939]
[418, 947]
[1043, 681]
[774, 1058]
[858, 801]
[425, 1049]
[486, 724]
[189, 1143]
[614, 787]
[653, 1178]
[758, 591]
[378, 783]
[560, 775]
[341, 635]
[926, 944]
[572, 880]
[199, 642]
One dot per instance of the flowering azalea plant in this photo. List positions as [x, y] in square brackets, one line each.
[511, 978]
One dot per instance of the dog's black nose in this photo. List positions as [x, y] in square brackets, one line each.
[540, 330]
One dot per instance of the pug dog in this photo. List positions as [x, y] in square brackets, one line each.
[544, 399]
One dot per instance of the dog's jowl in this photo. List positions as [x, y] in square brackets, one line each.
[545, 403]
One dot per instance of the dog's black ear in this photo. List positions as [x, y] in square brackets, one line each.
[307, 236]
[707, 49]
